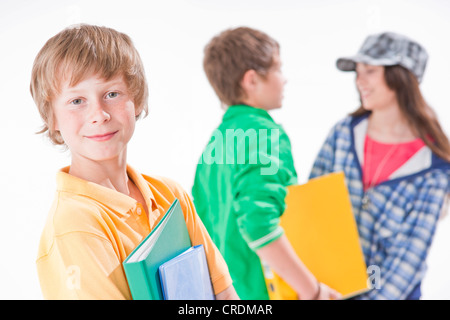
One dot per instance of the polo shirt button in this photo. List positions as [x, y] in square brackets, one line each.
[139, 210]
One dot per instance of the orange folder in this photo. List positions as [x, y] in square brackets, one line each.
[320, 225]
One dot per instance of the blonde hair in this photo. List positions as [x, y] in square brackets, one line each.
[79, 51]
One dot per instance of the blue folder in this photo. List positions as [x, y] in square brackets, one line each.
[186, 277]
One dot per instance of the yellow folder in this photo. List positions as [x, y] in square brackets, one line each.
[320, 225]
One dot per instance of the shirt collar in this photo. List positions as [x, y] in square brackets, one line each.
[241, 109]
[113, 199]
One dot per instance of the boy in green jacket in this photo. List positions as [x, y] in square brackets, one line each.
[242, 175]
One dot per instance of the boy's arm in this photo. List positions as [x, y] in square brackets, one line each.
[227, 294]
[259, 195]
[259, 200]
[282, 258]
[82, 266]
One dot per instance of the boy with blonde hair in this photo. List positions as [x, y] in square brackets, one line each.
[241, 179]
[89, 85]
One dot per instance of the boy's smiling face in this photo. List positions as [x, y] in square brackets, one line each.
[95, 117]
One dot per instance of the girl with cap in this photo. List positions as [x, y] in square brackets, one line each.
[396, 159]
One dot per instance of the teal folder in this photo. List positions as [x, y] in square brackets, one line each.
[186, 277]
[167, 240]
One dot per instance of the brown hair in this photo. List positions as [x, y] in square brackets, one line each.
[77, 52]
[419, 115]
[233, 52]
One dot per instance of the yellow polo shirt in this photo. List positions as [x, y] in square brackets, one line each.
[91, 229]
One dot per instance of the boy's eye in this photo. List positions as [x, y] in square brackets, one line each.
[76, 101]
[112, 95]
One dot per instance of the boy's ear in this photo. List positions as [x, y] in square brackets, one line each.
[138, 112]
[249, 80]
[53, 125]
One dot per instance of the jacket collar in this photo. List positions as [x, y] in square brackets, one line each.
[242, 109]
[423, 160]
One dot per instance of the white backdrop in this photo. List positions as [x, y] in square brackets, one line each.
[170, 36]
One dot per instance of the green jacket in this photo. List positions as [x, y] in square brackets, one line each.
[239, 190]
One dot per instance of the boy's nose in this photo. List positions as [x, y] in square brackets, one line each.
[98, 113]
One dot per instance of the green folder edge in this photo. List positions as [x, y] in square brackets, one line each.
[143, 291]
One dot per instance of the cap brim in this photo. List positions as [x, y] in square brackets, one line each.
[346, 64]
[349, 63]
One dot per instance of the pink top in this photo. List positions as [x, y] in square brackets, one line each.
[382, 159]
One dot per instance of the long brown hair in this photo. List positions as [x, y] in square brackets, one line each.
[418, 113]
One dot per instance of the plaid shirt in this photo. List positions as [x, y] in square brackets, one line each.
[397, 218]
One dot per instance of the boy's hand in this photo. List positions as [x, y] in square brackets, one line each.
[326, 293]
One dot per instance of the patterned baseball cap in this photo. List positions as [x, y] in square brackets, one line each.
[388, 49]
